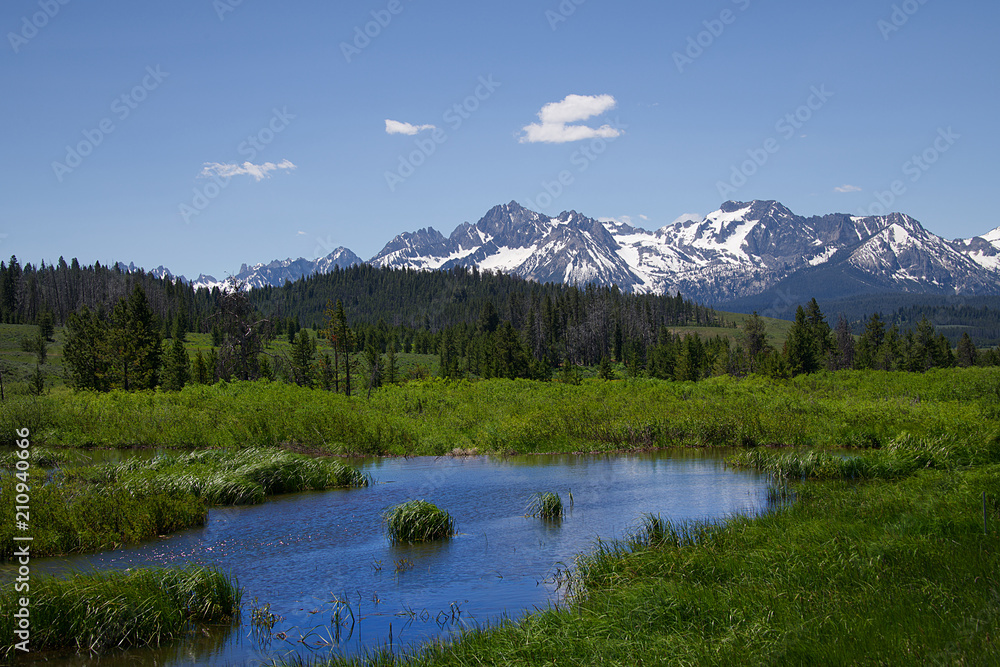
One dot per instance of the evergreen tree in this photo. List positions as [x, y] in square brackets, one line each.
[802, 350]
[199, 369]
[754, 341]
[604, 370]
[870, 343]
[374, 362]
[391, 363]
[176, 367]
[843, 355]
[303, 351]
[326, 371]
[85, 352]
[46, 325]
[212, 364]
[569, 373]
[967, 353]
[180, 327]
[133, 344]
[244, 332]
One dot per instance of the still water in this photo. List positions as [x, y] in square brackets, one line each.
[323, 563]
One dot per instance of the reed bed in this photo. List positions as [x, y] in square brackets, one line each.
[417, 521]
[96, 612]
[77, 518]
[223, 477]
[545, 505]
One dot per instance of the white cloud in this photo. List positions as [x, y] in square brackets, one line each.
[256, 171]
[556, 117]
[397, 127]
[688, 217]
[300, 233]
[847, 188]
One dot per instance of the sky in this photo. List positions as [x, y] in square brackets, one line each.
[203, 134]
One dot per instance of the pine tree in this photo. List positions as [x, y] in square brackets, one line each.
[843, 357]
[801, 348]
[133, 340]
[46, 325]
[754, 341]
[199, 369]
[870, 343]
[967, 353]
[303, 350]
[85, 352]
[176, 367]
[604, 370]
[391, 363]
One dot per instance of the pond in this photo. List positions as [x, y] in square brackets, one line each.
[323, 564]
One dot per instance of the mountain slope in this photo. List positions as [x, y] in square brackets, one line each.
[743, 249]
[744, 252]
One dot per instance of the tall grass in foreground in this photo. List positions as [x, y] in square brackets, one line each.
[93, 612]
[417, 521]
[546, 505]
[74, 518]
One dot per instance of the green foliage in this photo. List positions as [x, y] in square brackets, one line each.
[545, 505]
[103, 611]
[417, 521]
[120, 352]
[73, 517]
[177, 370]
[221, 477]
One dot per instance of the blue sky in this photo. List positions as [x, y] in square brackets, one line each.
[200, 134]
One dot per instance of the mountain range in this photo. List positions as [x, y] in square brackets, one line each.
[744, 252]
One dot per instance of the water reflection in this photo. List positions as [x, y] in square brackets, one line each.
[322, 562]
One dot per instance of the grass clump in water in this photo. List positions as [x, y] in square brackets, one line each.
[95, 612]
[417, 521]
[546, 505]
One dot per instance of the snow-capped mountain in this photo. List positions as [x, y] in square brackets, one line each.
[275, 273]
[984, 250]
[279, 272]
[742, 250]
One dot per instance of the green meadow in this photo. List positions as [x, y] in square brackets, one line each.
[881, 546]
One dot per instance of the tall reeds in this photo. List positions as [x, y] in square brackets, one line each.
[94, 612]
[545, 505]
[417, 521]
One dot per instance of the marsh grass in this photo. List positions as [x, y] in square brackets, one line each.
[105, 506]
[76, 517]
[545, 505]
[43, 457]
[95, 612]
[417, 521]
[223, 477]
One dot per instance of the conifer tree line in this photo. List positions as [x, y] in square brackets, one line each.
[346, 328]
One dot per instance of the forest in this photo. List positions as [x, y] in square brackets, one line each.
[345, 330]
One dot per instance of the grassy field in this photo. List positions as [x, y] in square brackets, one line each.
[862, 409]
